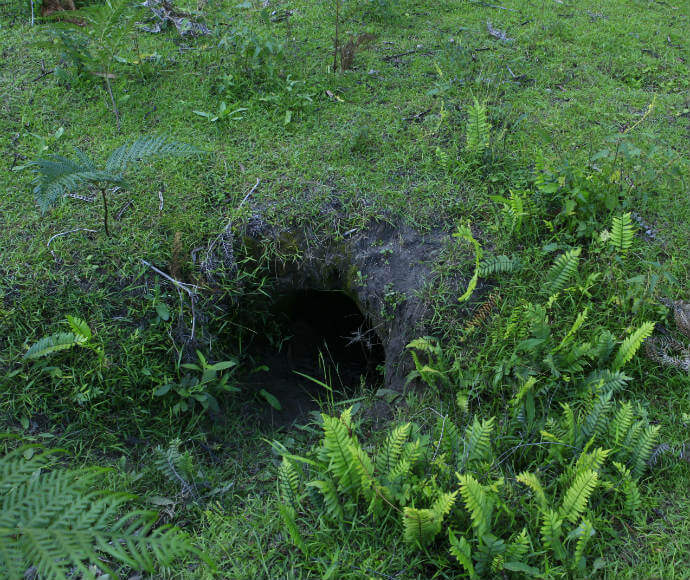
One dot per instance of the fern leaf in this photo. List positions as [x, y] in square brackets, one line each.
[577, 496]
[58, 175]
[643, 449]
[288, 514]
[629, 489]
[478, 129]
[518, 547]
[461, 550]
[79, 327]
[630, 345]
[596, 421]
[551, 531]
[420, 526]
[621, 422]
[465, 233]
[622, 232]
[54, 343]
[583, 533]
[288, 482]
[389, 456]
[54, 520]
[334, 507]
[562, 271]
[532, 481]
[478, 440]
[146, 147]
[336, 445]
[478, 503]
[499, 265]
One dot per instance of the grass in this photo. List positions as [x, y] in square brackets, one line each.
[570, 77]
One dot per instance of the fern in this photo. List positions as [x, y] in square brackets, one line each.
[596, 421]
[532, 481]
[630, 346]
[57, 175]
[331, 500]
[562, 271]
[583, 533]
[289, 519]
[622, 232]
[337, 449]
[499, 265]
[176, 466]
[577, 496]
[629, 489]
[288, 482]
[55, 521]
[643, 449]
[54, 343]
[478, 502]
[478, 129]
[478, 440]
[551, 531]
[465, 233]
[621, 423]
[462, 552]
[389, 456]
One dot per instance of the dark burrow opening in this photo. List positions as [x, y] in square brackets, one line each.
[320, 334]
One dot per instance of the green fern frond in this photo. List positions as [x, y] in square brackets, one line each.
[392, 449]
[54, 343]
[175, 465]
[336, 446]
[631, 345]
[478, 129]
[621, 422]
[518, 547]
[499, 265]
[592, 460]
[448, 436]
[147, 147]
[420, 526]
[57, 175]
[577, 496]
[643, 449]
[55, 521]
[532, 481]
[478, 440]
[622, 232]
[603, 347]
[331, 500]
[288, 482]
[289, 519]
[465, 233]
[443, 504]
[563, 270]
[630, 490]
[477, 501]
[597, 420]
[461, 550]
[551, 531]
[605, 380]
[583, 533]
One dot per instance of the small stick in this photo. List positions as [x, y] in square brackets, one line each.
[252, 190]
[112, 99]
[64, 234]
[160, 199]
[190, 289]
[118, 217]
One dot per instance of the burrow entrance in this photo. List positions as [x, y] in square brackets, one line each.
[320, 337]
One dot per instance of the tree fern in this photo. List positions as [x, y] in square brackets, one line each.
[631, 345]
[562, 271]
[477, 128]
[478, 503]
[55, 521]
[577, 496]
[57, 175]
[622, 232]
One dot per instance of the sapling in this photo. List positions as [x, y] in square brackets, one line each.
[56, 175]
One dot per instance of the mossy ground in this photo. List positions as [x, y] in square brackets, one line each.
[569, 76]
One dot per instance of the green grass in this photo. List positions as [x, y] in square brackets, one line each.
[572, 75]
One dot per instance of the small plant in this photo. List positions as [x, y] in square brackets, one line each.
[80, 335]
[200, 386]
[58, 521]
[622, 233]
[478, 129]
[56, 175]
[224, 113]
